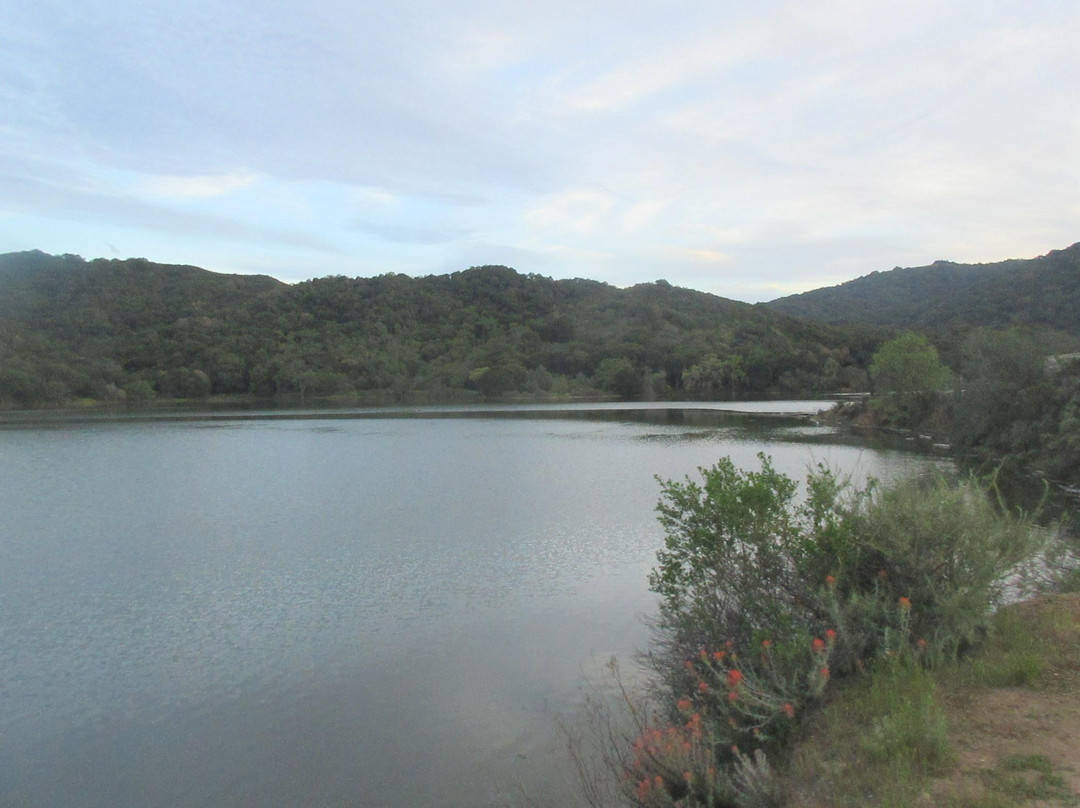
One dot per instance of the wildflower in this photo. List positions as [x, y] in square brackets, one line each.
[734, 749]
[905, 603]
[643, 789]
[830, 635]
[687, 776]
[734, 676]
[702, 687]
[788, 709]
[818, 645]
[830, 580]
[658, 781]
[921, 643]
[732, 696]
[766, 643]
[683, 705]
[689, 665]
[824, 672]
[719, 655]
[730, 644]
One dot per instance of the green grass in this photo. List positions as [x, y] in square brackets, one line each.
[1011, 657]
[1019, 651]
[1029, 777]
[881, 739]
[878, 740]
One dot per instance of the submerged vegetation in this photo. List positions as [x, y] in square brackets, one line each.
[770, 606]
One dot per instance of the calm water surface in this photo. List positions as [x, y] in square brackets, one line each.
[341, 609]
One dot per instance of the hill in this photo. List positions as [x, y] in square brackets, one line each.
[113, 330]
[1042, 292]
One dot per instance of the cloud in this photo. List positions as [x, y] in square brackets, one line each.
[80, 202]
[722, 143]
[410, 233]
[194, 187]
[573, 211]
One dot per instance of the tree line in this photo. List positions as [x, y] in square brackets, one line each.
[134, 331]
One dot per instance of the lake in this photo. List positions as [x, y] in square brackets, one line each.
[365, 608]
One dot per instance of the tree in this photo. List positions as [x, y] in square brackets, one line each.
[706, 379]
[620, 377]
[907, 375]
[1007, 401]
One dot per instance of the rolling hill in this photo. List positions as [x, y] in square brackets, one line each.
[1043, 292]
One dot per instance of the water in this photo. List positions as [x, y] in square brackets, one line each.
[356, 608]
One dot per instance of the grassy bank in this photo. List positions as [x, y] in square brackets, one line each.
[999, 728]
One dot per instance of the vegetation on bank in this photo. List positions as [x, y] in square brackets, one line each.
[1013, 397]
[769, 607]
[995, 730]
[134, 331]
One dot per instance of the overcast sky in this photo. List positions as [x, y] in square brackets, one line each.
[749, 149]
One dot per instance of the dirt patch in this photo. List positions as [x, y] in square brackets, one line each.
[994, 728]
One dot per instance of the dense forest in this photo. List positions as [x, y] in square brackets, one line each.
[73, 330]
[1040, 292]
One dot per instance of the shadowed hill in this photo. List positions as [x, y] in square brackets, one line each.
[1043, 292]
[134, 330]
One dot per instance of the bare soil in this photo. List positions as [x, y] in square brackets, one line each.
[990, 726]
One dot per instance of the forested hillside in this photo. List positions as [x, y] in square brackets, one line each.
[111, 330]
[1042, 292]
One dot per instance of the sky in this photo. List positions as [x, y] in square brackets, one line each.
[747, 149]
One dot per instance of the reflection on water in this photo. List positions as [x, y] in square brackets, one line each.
[361, 610]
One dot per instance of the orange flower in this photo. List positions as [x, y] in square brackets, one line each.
[921, 643]
[905, 603]
[702, 687]
[683, 705]
[732, 696]
[693, 726]
[830, 635]
[824, 672]
[830, 580]
[818, 645]
[766, 643]
[788, 709]
[658, 781]
[643, 789]
[734, 676]
[719, 655]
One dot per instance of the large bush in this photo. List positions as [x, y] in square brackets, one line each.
[764, 596]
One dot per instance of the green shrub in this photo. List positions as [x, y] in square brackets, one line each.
[764, 596]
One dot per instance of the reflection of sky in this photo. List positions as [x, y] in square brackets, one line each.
[447, 580]
[751, 150]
